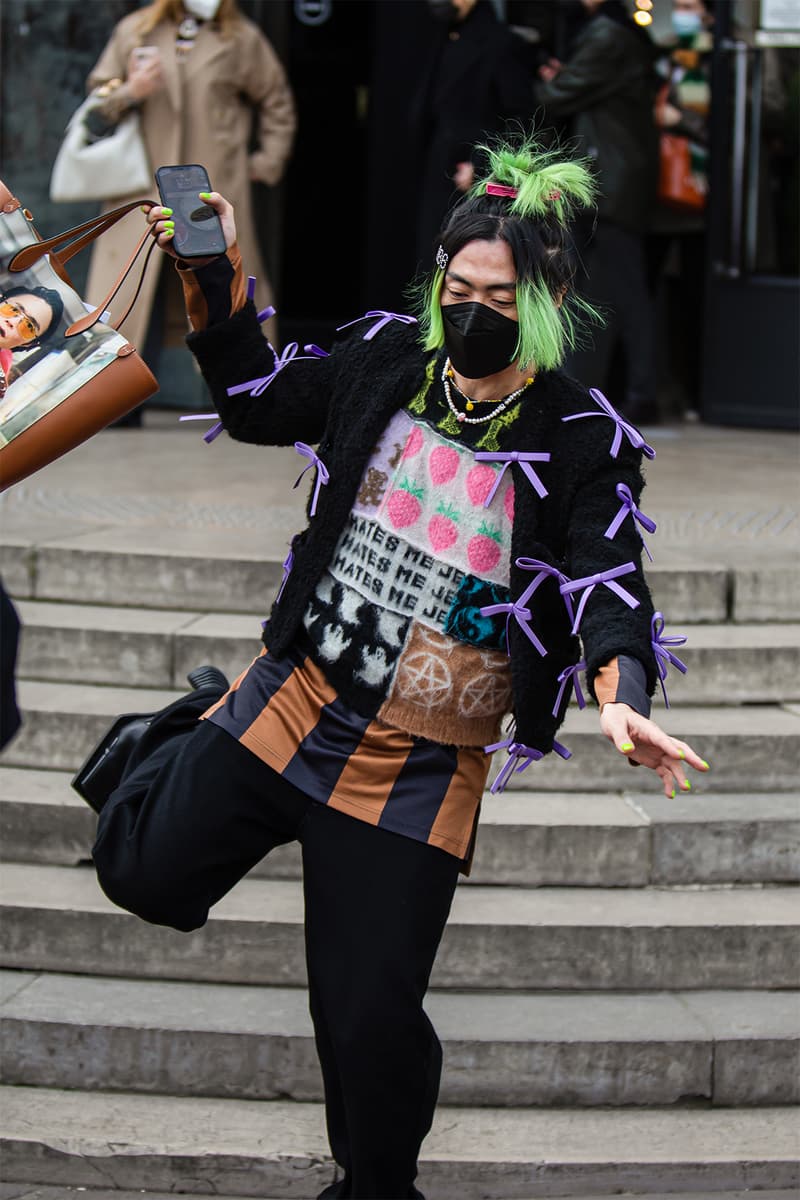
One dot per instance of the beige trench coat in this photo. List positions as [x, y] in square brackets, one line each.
[202, 115]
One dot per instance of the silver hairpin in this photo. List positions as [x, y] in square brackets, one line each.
[442, 258]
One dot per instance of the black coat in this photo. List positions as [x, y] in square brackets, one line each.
[344, 402]
[607, 88]
[476, 77]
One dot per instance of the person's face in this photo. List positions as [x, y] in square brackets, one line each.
[23, 318]
[483, 272]
[690, 6]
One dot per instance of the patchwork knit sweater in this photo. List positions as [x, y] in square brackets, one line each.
[345, 401]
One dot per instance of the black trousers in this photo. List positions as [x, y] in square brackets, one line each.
[615, 280]
[194, 812]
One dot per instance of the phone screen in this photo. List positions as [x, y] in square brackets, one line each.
[198, 232]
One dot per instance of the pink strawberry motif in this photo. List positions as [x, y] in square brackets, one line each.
[483, 550]
[414, 443]
[404, 505]
[480, 482]
[442, 529]
[508, 503]
[443, 464]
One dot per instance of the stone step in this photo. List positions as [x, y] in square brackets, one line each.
[190, 1039]
[750, 747]
[629, 939]
[171, 568]
[90, 643]
[45, 1191]
[62, 722]
[261, 1148]
[590, 839]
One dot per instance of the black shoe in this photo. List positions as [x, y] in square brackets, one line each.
[102, 772]
[207, 676]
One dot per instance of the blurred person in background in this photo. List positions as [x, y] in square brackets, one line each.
[475, 78]
[606, 90]
[197, 71]
[676, 246]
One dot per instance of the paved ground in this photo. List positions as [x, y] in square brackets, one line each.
[720, 496]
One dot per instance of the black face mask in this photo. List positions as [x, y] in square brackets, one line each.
[479, 340]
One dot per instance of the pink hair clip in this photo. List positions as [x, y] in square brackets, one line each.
[556, 195]
[499, 189]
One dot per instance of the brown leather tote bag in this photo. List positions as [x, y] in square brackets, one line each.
[64, 373]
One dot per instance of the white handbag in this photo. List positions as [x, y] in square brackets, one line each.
[115, 165]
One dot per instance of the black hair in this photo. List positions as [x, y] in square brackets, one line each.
[52, 298]
[541, 191]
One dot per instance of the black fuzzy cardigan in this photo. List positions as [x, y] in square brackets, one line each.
[344, 402]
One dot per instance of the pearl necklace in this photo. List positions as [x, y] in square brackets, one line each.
[462, 418]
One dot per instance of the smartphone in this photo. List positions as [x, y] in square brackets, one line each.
[198, 230]
[144, 53]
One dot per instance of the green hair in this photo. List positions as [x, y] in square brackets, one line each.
[550, 191]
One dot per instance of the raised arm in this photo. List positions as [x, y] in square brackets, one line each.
[288, 396]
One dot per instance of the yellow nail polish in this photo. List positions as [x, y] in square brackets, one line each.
[626, 747]
[705, 764]
[167, 212]
[672, 796]
[687, 787]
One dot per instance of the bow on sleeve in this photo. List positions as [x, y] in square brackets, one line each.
[621, 426]
[519, 758]
[628, 506]
[664, 656]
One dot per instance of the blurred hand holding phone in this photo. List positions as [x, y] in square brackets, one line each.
[145, 74]
[198, 230]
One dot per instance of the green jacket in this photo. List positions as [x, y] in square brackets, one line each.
[608, 88]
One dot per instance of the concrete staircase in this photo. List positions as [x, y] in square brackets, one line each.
[617, 991]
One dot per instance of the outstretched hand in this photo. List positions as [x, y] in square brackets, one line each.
[643, 742]
[162, 225]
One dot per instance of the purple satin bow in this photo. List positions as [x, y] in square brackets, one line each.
[570, 673]
[543, 571]
[523, 617]
[590, 582]
[265, 313]
[322, 472]
[621, 425]
[519, 758]
[664, 655]
[519, 608]
[288, 563]
[524, 458]
[214, 431]
[257, 386]
[384, 318]
[629, 506]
